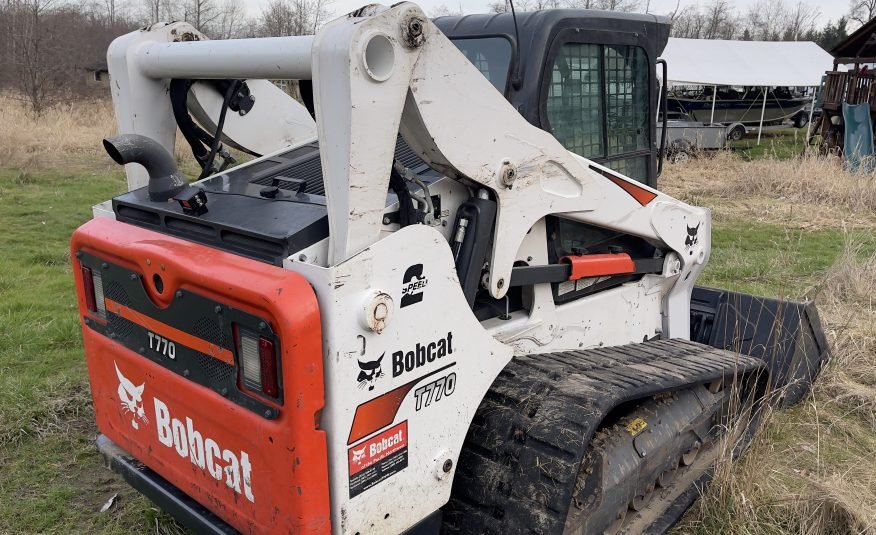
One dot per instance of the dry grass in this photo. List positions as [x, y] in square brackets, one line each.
[803, 192]
[65, 136]
[810, 470]
[62, 133]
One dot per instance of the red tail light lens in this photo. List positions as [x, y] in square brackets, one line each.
[268, 358]
[93, 291]
[88, 282]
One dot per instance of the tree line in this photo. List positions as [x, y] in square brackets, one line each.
[47, 46]
[765, 20]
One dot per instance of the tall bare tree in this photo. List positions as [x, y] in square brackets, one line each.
[231, 20]
[444, 10]
[862, 11]
[201, 14]
[800, 21]
[293, 17]
[35, 55]
[767, 19]
[163, 10]
[719, 20]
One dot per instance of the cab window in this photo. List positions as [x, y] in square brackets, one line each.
[491, 56]
[597, 104]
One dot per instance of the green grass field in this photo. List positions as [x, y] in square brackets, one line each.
[51, 477]
[781, 144]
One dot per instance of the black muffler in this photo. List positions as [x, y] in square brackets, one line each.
[165, 180]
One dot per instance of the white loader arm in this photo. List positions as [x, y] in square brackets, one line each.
[142, 106]
[394, 70]
[382, 71]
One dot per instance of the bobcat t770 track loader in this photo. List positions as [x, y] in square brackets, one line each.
[443, 296]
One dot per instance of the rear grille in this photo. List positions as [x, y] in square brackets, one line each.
[407, 156]
[217, 372]
[117, 293]
[119, 327]
[210, 331]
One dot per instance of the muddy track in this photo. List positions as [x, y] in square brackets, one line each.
[519, 465]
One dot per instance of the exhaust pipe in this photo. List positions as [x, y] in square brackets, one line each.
[165, 180]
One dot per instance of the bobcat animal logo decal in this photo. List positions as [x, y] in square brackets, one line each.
[369, 372]
[692, 236]
[358, 455]
[131, 399]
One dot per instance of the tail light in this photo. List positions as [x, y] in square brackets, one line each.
[258, 362]
[94, 291]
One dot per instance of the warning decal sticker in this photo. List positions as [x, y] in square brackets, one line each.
[377, 458]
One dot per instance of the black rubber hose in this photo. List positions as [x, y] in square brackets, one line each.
[195, 136]
[217, 137]
[165, 180]
[407, 214]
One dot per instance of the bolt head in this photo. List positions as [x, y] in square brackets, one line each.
[448, 465]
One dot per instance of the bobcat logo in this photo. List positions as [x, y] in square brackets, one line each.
[358, 455]
[131, 399]
[692, 238]
[369, 372]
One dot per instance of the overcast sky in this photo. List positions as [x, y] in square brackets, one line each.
[830, 9]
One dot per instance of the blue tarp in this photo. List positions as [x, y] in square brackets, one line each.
[858, 147]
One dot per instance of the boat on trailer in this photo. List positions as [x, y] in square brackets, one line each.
[732, 105]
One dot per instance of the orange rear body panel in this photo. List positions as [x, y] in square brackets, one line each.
[260, 475]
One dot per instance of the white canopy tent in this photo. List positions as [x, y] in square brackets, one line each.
[765, 64]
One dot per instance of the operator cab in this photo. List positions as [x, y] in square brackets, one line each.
[587, 77]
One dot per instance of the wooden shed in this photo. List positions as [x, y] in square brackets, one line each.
[857, 85]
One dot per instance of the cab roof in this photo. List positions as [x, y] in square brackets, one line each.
[535, 26]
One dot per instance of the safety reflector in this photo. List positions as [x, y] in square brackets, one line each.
[270, 384]
[94, 291]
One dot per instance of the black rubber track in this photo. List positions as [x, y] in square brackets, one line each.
[519, 463]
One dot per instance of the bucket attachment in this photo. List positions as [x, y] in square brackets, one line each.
[787, 335]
